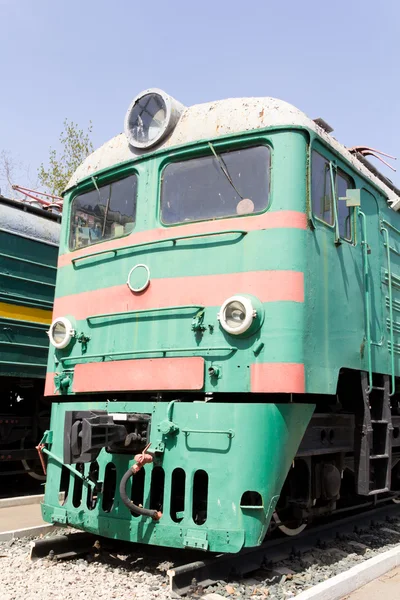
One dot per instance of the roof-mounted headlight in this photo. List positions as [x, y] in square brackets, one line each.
[151, 117]
[61, 332]
[237, 314]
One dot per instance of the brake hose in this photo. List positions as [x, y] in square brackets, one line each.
[141, 460]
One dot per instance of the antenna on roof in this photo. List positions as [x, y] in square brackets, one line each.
[52, 205]
[367, 151]
[323, 124]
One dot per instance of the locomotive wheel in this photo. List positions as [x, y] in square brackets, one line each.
[288, 525]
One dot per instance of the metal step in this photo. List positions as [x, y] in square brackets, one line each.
[378, 456]
[373, 434]
[382, 491]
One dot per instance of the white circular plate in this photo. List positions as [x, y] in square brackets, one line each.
[138, 278]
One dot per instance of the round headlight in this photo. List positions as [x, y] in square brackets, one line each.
[150, 117]
[61, 332]
[237, 314]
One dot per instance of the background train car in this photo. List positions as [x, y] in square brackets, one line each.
[228, 292]
[29, 239]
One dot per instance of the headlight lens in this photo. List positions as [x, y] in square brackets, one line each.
[61, 332]
[237, 314]
[150, 118]
[147, 119]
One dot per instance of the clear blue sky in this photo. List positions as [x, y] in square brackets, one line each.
[86, 59]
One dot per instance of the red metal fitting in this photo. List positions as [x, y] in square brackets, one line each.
[142, 459]
[39, 448]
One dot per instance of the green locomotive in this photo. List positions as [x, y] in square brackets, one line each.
[225, 340]
[29, 239]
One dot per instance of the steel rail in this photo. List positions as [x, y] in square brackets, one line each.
[204, 570]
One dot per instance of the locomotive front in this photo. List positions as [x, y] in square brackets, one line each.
[177, 361]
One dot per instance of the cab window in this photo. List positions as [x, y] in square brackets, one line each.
[321, 188]
[343, 183]
[224, 184]
[321, 195]
[103, 214]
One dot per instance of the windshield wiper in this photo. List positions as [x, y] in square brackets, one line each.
[224, 169]
[107, 205]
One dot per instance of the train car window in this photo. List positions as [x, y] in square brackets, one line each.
[321, 189]
[224, 184]
[343, 182]
[103, 214]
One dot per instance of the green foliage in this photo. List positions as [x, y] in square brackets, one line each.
[76, 146]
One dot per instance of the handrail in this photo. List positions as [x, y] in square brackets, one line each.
[144, 311]
[134, 246]
[386, 234]
[395, 279]
[366, 295]
[229, 432]
[162, 351]
[396, 304]
[384, 222]
[70, 468]
[391, 248]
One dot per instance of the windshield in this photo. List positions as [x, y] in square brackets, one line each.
[216, 186]
[104, 213]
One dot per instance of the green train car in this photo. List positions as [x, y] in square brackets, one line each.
[29, 239]
[226, 335]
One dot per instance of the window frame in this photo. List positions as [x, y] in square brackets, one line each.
[203, 150]
[339, 168]
[352, 185]
[102, 179]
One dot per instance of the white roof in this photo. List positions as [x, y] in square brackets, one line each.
[215, 119]
[29, 225]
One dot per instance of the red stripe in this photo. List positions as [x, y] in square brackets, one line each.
[140, 375]
[205, 290]
[278, 378]
[290, 219]
[49, 386]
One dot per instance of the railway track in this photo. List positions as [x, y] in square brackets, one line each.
[198, 571]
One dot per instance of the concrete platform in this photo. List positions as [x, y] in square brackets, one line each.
[20, 517]
[386, 587]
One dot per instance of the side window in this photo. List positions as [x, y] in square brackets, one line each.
[321, 189]
[321, 195]
[343, 183]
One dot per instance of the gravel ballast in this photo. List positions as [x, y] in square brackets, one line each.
[105, 575]
[96, 578]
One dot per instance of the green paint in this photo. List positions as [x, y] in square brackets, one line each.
[241, 446]
[27, 279]
[228, 452]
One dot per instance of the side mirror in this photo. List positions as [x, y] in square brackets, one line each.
[353, 197]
